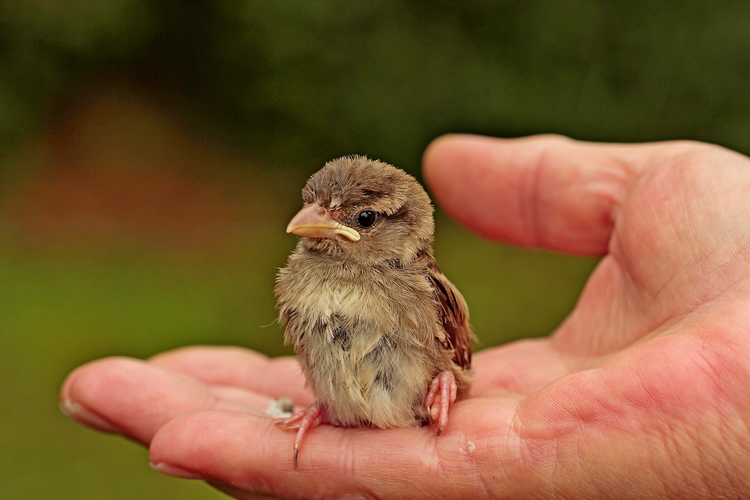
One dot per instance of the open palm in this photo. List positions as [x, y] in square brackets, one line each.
[640, 392]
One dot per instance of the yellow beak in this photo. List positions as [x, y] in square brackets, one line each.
[314, 221]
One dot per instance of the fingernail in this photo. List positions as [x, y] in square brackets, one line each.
[81, 414]
[174, 471]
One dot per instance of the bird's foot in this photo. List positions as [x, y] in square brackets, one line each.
[303, 420]
[440, 396]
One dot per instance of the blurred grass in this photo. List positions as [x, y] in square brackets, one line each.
[61, 309]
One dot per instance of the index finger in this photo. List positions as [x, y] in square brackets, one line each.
[241, 368]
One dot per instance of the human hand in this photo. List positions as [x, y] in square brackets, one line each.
[640, 392]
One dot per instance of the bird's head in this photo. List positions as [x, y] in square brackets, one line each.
[365, 210]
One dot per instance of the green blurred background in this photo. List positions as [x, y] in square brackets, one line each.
[153, 151]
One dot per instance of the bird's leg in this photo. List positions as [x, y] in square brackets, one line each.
[303, 420]
[440, 396]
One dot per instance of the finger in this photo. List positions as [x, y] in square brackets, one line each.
[250, 453]
[240, 399]
[130, 397]
[542, 191]
[237, 367]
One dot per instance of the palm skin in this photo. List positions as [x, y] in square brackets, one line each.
[640, 392]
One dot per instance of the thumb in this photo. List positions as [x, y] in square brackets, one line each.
[542, 191]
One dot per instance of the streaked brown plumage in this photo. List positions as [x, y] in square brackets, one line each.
[381, 334]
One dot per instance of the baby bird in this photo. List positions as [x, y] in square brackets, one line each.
[382, 336]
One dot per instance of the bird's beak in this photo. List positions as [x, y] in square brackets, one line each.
[314, 221]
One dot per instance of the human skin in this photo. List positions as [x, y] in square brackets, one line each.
[641, 392]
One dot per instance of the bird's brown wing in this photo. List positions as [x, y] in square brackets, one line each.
[454, 314]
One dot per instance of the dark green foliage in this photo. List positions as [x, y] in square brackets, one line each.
[290, 79]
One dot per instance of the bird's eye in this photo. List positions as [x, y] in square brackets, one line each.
[367, 218]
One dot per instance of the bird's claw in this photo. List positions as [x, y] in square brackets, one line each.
[440, 396]
[303, 420]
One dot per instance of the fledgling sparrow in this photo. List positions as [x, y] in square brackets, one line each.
[381, 334]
